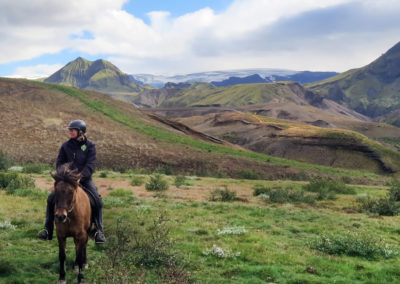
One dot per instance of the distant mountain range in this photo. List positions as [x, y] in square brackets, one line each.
[300, 77]
[235, 77]
[99, 75]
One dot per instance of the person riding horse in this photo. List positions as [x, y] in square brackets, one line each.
[81, 154]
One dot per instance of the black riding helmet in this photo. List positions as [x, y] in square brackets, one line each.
[78, 124]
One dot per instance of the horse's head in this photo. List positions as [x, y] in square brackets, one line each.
[65, 187]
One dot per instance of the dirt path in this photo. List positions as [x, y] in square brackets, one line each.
[199, 192]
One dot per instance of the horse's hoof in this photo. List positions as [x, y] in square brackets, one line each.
[62, 282]
[76, 269]
[86, 266]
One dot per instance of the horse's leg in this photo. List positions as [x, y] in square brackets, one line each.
[85, 264]
[62, 257]
[80, 253]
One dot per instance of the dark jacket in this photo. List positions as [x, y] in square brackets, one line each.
[82, 154]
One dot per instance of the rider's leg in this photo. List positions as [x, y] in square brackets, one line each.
[47, 233]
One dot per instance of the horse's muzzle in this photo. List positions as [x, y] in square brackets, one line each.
[61, 217]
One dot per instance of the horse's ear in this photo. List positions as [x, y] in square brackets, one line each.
[55, 176]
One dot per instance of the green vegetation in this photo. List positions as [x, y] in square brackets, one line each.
[140, 250]
[388, 205]
[181, 180]
[36, 168]
[157, 182]
[163, 240]
[354, 244]
[224, 195]
[118, 198]
[327, 189]
[137, 180]
[5, 161]
[283, 195]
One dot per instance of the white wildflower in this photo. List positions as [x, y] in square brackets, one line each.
[220, 252]
[232, 231]
[7, 225]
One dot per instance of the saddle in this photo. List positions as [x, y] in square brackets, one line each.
[94, 204]
[93, 200]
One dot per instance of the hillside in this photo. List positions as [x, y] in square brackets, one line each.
[99, 75]
[372, 90]
[298, 141]
[125, 136]
[206, 95]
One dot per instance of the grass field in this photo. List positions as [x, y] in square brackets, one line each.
[247, 241]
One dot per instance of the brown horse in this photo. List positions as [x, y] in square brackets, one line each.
[72, 217]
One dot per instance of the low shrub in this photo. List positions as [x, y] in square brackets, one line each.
[103, 174]
[180, 180]
[394, 190]
[138, 246]
[6, 178]
[224, 195]
[165, 169]
[120, 169]
[247, 174]
[157, 182]
[384, 206]
[5, 161]
[20, 182]
[137, 180]
[259, 189]
[327, 189]
[353, 244]
[283, 195]
[36, 168]
[34, 193]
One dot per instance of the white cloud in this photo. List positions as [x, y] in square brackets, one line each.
[35, 72]
[308, 34]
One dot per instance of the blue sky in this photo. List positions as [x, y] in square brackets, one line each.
[177, 37]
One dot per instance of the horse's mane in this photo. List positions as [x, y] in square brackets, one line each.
[64, 173]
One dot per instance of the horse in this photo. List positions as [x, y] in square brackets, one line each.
[72, 217]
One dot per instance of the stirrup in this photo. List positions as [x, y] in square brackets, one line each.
[97, 241]
[47, 234]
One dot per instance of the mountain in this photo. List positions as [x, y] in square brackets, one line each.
[372, 90]
[304, 77]
[238, 80]
[125, 136]
[99, 75]
[266, 75]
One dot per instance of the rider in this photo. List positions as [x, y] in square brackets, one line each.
[81, 153]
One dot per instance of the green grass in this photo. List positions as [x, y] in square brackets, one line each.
[158, 133]
[274, 245]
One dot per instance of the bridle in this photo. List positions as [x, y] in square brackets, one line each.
[69, 210]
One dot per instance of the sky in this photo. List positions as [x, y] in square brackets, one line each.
[179, 37]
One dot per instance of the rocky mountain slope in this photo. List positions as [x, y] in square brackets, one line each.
[372, 90]
[99, 75]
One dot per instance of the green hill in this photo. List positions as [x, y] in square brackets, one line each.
[200, 94]
[372, 90]
[99, 75]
